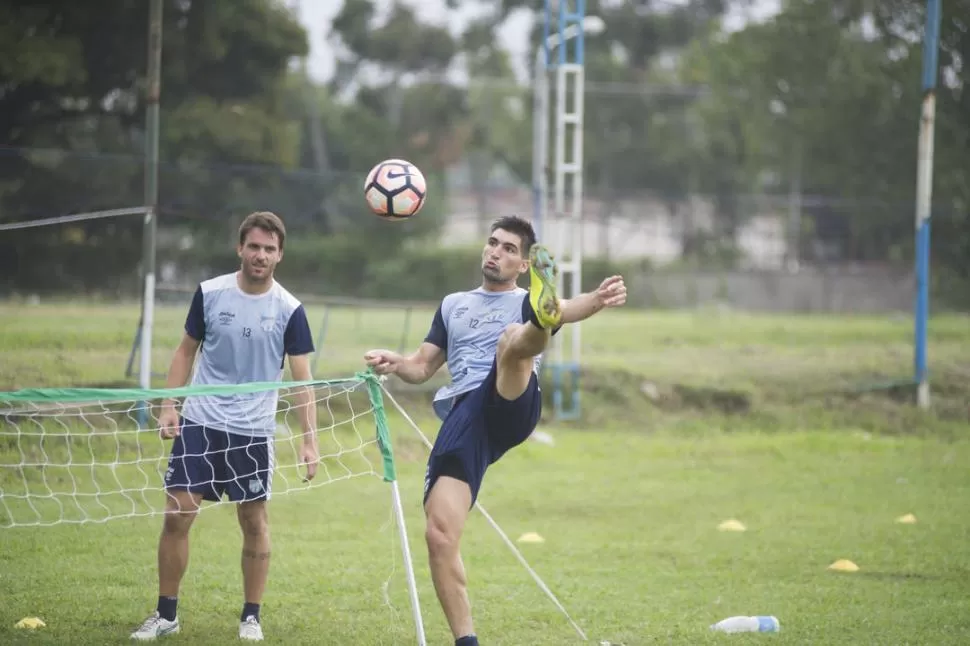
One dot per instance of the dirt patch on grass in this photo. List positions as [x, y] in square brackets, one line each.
[619, 398]
[721, 400]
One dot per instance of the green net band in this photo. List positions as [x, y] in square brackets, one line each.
[74, 395]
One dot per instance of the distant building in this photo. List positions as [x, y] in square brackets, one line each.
[629, 227]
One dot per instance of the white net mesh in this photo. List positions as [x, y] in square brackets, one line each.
[78, 455]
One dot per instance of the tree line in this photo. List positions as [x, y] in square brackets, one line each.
[822, 98]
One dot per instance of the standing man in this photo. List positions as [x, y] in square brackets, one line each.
[245, 323]
[492, 338]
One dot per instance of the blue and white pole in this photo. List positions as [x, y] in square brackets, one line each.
[564, 235]
[567, 194]
[924, 190]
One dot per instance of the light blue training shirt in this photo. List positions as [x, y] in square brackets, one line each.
[245, 338]
[467, 326]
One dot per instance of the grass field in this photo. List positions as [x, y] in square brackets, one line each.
[690, 419]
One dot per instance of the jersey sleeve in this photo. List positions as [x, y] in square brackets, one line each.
[438, 334]
[195, 321]
[297, 339]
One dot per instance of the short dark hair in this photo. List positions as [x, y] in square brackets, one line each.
[265, 220]
[520, 227]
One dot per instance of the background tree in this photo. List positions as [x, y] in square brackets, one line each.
[71, 107]
[831, 90]
[395, 103]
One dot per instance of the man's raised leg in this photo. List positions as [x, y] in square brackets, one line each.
[519, 344]
[446, 512]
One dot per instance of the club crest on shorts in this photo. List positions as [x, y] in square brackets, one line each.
[255, 485]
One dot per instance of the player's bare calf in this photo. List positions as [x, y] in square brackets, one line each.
[445, 511]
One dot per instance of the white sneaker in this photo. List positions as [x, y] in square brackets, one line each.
[155, 627]
[250, 630]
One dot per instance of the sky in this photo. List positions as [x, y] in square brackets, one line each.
[316, 15]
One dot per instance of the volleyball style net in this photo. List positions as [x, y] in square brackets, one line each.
[79, 455]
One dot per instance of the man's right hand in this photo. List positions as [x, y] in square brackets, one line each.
[168, 422]
[384, 362]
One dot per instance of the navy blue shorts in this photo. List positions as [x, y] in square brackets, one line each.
[214, 463]
[479, 429]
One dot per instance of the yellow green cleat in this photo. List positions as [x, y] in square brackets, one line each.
[542, 287]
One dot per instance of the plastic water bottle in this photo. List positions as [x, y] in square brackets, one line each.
[760, 624]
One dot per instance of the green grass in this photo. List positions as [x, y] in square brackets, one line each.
[751, 417]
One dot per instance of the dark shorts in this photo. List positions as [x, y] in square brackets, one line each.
[214, 463]
[479, 429]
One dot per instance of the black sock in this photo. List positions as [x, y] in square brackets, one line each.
[534, 319]
[250, 610]
[467, 640]
[167, 607]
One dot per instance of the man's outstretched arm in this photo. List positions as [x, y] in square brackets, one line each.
[420, 366]
[610, 293]
[414, 369]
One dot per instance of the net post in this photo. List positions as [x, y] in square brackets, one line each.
[151, 196]
[390, 475]
[130, 366]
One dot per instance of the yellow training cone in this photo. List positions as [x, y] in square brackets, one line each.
[908, 519]
[31, 623]
[531, 537]
[732, 526]
[844, 565]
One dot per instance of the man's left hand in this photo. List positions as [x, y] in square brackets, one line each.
[310, 456]
[611, 292]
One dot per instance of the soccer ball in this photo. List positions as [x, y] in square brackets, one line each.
[395, 189]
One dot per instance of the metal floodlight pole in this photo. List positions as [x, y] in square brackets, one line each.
[152, 94]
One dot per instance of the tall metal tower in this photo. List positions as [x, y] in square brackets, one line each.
[564, 231]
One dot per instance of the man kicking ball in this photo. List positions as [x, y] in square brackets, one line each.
[492, 338]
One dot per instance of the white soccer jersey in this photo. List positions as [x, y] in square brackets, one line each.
[467, 326]
[245, 338]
